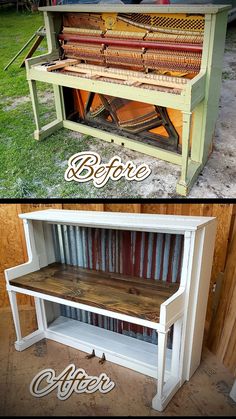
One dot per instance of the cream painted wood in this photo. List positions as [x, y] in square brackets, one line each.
[185, 310]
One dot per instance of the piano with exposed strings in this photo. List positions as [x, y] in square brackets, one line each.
[145, 77]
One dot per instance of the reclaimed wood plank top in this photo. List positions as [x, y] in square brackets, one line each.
[110, 291]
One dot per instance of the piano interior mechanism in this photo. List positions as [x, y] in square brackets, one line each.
[147, 79]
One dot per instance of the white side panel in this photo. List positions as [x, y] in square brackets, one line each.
[198, 297]
[33, 261]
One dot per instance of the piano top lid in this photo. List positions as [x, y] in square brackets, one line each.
[121, 220]
[145, 8]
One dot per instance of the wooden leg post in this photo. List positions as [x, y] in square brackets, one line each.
[39, 313]
[35, 104]
[15, 314]
[42, 132]
[176, 348]
[168, 382]
[157, 402]
[182, 187]
[23, 343]
[59, 102]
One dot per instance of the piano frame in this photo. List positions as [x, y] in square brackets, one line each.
[185, 310]
[200, 97]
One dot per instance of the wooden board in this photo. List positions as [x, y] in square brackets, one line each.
[61, 64]
[84, 207]
[222, 338]
[33, 48]
[136, 208]
[123, 294]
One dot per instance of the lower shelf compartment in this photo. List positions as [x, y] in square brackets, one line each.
[122, 350]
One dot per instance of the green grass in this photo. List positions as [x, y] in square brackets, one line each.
[31, 169]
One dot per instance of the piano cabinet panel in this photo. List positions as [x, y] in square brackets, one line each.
[131, 286]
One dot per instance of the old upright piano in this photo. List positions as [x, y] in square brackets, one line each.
[145, 77]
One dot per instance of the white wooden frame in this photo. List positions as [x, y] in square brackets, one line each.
[233, 392]
[185, 309]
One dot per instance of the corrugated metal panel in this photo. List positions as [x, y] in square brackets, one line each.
[154, 256]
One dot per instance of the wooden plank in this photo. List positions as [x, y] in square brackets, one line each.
[22, 208]
[122, 294]
[33, 48]
[136, 208]
[61, 64]
[84, 207]
[222, 338]
[223, 213]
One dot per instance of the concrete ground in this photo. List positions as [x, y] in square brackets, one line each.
[206, 394]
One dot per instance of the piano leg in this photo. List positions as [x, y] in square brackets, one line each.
[167, 386]
[15, 314]
[59, 102]
[42, 132]
[35, 104]
[157, 402]
[176, 361]
[190, 168]
[23, 343]
[185, 146]
[40, 313]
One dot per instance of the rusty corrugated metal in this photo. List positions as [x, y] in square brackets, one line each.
[154, 256]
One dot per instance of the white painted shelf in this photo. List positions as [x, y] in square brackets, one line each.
[119, 220]
[133, 353]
